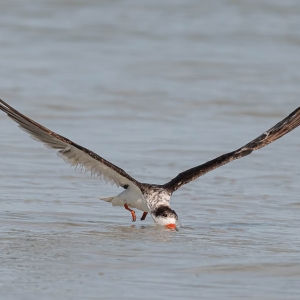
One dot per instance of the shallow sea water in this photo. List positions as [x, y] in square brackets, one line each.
[156, 88]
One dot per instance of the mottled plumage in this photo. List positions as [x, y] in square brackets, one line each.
[151, 198]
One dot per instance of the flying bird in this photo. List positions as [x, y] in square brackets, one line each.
[149, 198]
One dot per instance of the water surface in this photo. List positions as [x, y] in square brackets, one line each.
[156, 88]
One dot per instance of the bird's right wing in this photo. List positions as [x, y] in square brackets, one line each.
[72, 152]
[283, 127]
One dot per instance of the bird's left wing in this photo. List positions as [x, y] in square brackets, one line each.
[70, 151]
[283, 127]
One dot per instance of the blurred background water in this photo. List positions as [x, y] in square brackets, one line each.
[156, 87]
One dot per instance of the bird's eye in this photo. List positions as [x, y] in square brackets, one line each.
[164, 215]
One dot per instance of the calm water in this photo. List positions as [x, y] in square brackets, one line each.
[156, 88]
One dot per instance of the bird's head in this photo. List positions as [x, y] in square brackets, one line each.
[164, 215]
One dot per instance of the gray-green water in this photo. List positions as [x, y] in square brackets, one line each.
[156, 87]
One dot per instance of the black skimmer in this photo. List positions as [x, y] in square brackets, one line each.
[149, 198]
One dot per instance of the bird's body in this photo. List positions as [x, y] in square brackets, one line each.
[132, 198]
[149, 198]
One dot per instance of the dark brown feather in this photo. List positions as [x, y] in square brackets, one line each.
[283, 127]
[53, 140]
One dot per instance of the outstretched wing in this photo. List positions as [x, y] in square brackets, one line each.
[283, 127]
[70, 151]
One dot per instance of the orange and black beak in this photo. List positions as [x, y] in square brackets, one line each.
[171, 226]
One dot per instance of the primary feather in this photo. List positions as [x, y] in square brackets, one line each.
[277, 131]
[71, 152]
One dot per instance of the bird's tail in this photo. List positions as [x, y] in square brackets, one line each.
[108, 199]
